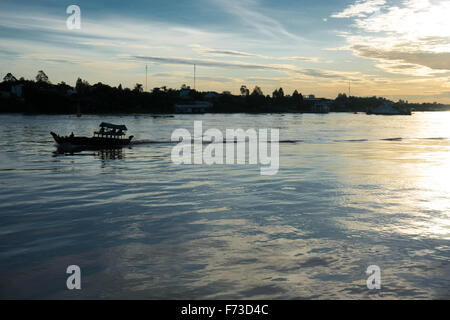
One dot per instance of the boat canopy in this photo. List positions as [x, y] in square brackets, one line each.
[113, 126]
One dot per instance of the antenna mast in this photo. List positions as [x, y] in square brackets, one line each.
[194, 76]
[349, 88]
[145, 77]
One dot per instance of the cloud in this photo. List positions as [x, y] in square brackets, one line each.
[430, 59]
[401, 68]
[251, 13]
[102, 34]
[230, 53]
[203, 62]
[414, 34]
[224, 52]
[234, 53]
[361, 8]
[301, 59]
[414, 19]
[250, 39]
[9, 53]
[313, 73]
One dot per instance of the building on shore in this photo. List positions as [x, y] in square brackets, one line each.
[187, 104]
[318, 105]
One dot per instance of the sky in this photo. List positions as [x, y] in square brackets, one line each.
[397, 49]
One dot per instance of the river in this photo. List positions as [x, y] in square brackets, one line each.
[352, 190]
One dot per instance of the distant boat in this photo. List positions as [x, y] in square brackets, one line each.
[389, 109]
[109, 136]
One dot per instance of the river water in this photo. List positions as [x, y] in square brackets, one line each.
[352, 190]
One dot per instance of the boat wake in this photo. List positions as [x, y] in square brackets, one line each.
[400, 139]
[147, 141]
[351, 140]
[151, 142]
[393, 139]
[291, 141]
[286, 141]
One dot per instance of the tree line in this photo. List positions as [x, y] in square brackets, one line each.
[41, 96]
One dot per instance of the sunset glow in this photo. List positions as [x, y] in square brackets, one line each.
[395, 49]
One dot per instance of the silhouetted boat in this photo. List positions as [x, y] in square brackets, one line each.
[389, 109]
[109, 136]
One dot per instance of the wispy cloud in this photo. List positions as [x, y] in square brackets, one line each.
[307, 59]
[252, 14]
[361, 8]
[314, 73]
[241, 54]
[224, 52]
[203, 62]
[429, 59]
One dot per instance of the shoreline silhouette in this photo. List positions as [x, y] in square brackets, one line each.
[43, 97]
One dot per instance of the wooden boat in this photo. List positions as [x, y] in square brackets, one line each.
[109, 136]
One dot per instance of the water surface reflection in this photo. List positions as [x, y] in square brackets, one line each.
[353, 190]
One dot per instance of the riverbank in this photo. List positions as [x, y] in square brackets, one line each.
[29, 97]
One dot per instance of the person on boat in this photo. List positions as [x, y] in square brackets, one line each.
[113, 133]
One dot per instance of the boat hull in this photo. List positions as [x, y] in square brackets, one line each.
[92, 142]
